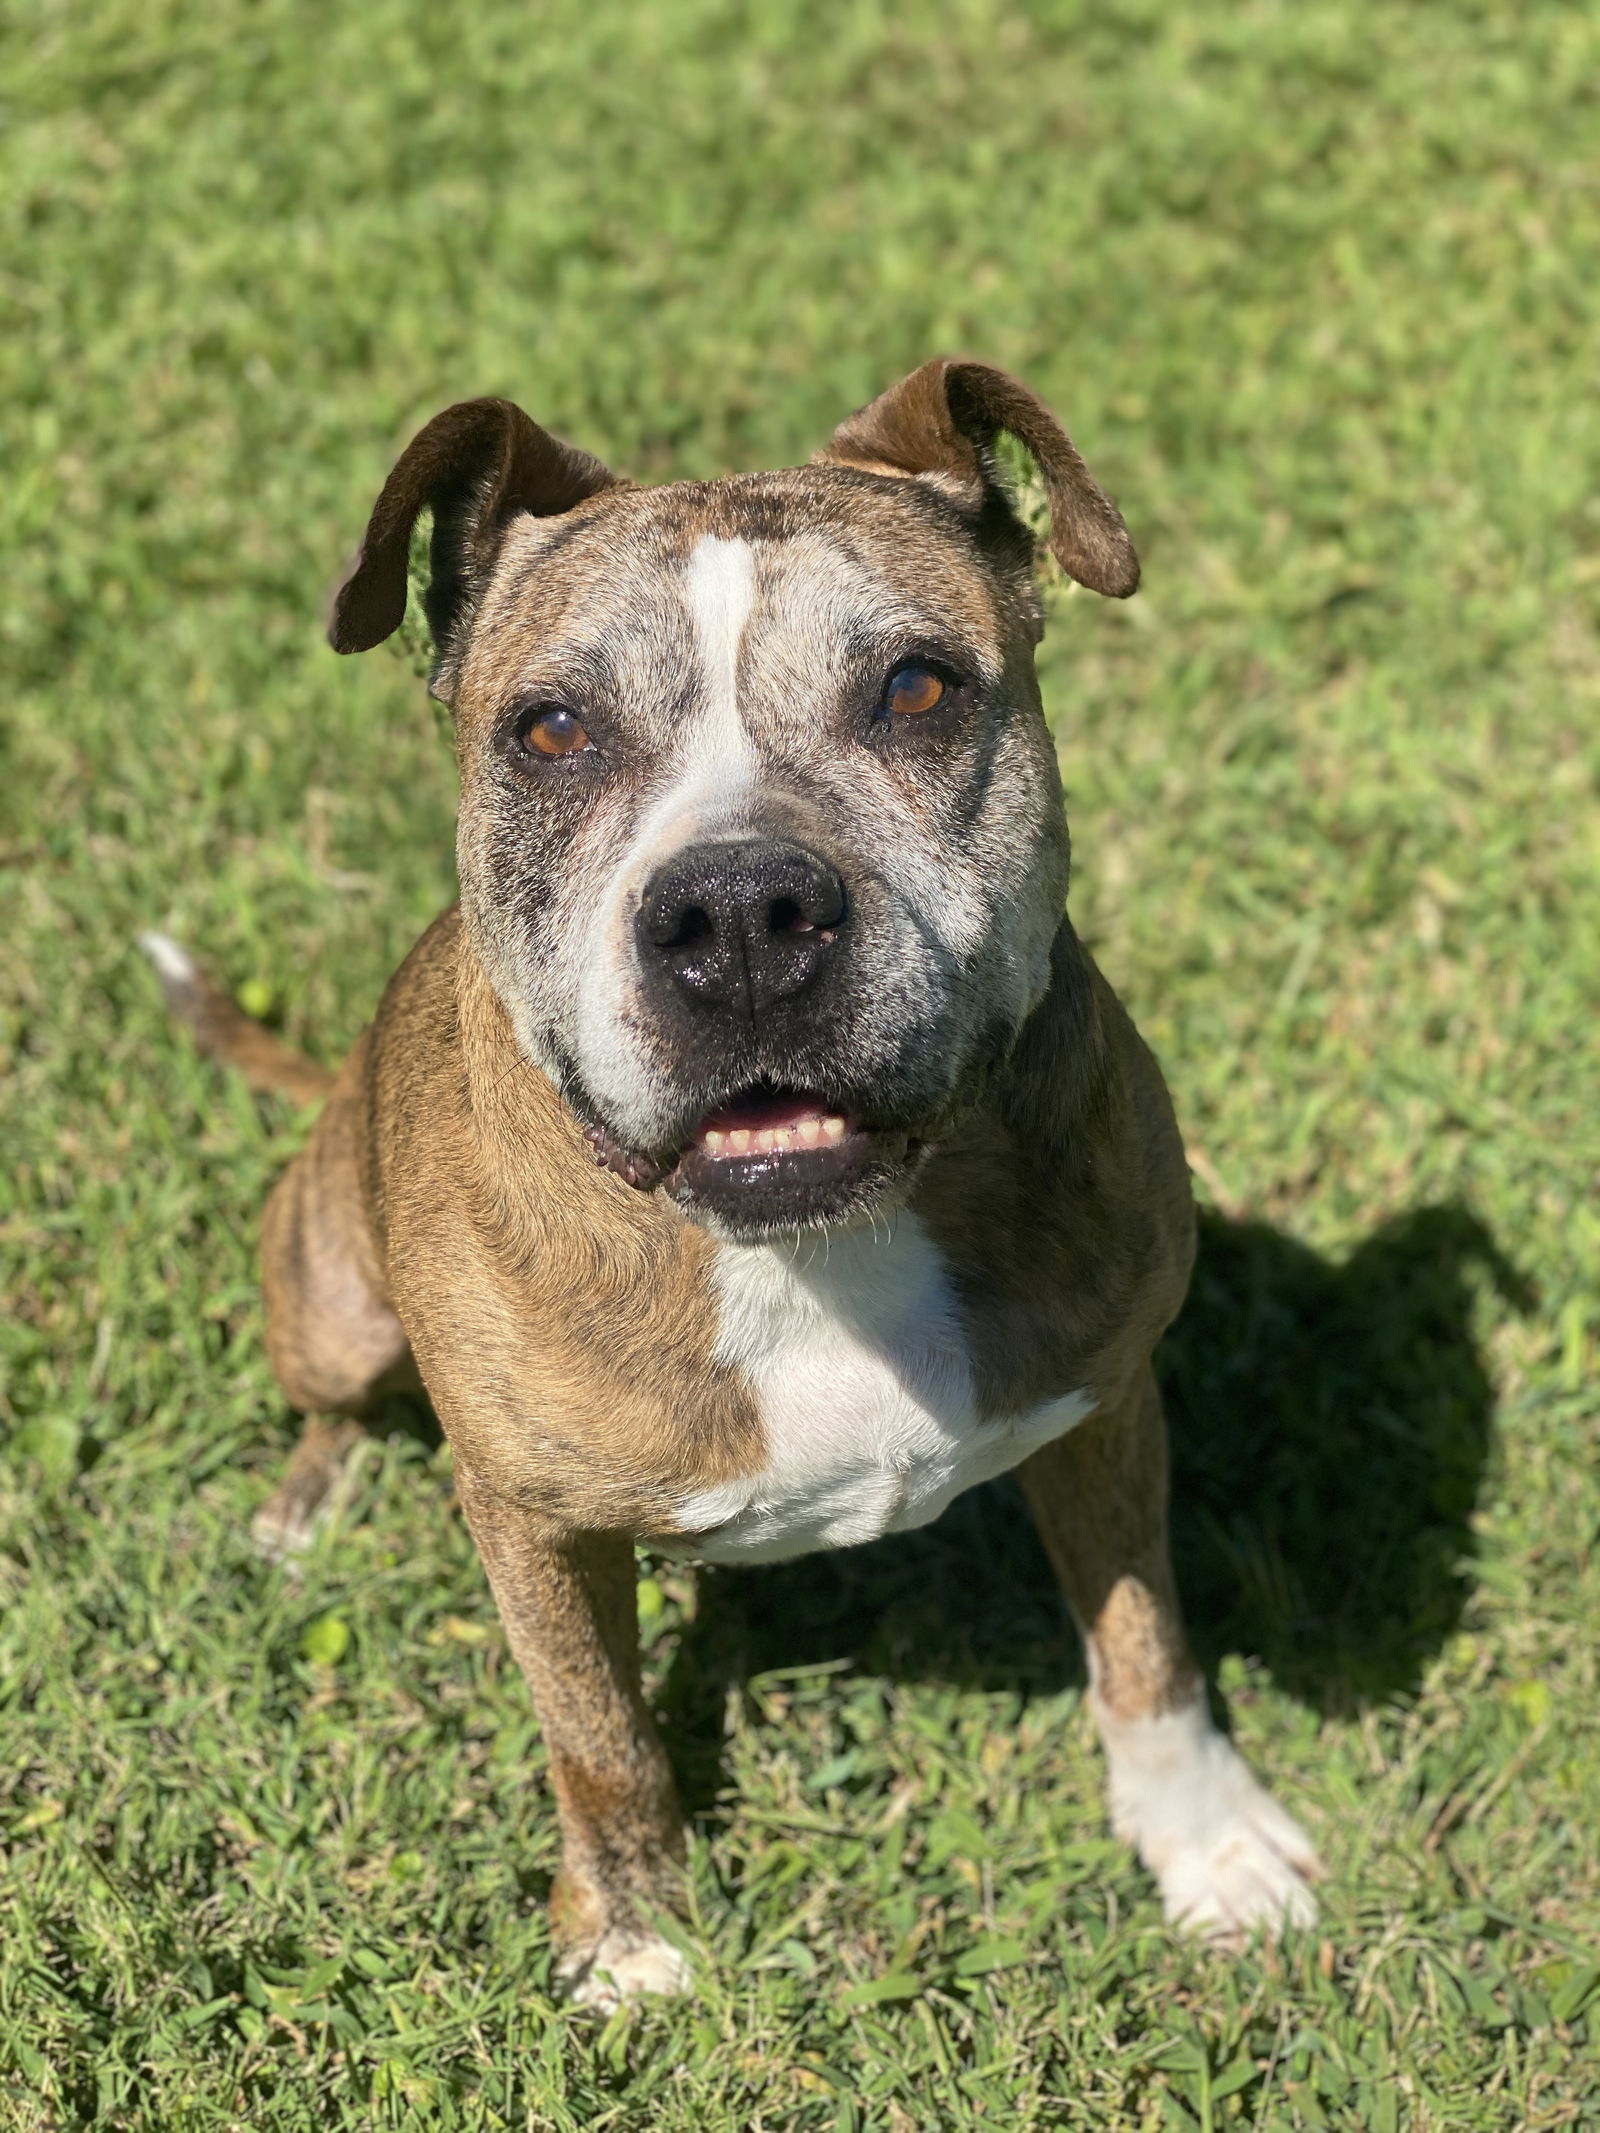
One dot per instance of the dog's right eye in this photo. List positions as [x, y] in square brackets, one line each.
[552, 730]
[914, 689]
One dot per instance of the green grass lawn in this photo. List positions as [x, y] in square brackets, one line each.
[1315, 288]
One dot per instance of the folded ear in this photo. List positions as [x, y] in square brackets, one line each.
[944, 420]
[476, 466]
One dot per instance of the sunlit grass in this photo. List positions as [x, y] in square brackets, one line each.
[1314, 289]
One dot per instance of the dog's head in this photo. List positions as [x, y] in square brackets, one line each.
[761, 842]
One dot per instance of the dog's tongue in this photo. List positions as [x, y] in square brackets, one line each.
[768, 1124]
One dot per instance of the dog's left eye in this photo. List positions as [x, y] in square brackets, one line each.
[553, 730]
[914, 689]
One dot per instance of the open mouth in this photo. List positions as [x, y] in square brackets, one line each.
[771, 1124]
[769, 1158]
[779, 1158]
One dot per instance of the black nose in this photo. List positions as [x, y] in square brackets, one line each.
[742, 926]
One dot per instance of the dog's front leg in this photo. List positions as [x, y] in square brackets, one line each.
[1226, 1856]
[569, 1605]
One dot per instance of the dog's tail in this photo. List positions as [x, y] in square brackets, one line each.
[224, 1031]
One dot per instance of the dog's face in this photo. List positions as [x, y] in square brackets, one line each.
[761, 838]
[761, 842]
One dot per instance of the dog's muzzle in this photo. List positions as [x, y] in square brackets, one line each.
[744, 953]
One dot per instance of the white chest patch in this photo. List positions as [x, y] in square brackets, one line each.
[854, 1348]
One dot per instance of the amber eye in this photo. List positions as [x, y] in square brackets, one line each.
[913, 690]
[554, 731]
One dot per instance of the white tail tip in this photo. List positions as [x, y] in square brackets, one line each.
[175, 965]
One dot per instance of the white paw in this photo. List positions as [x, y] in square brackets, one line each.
[1252, 1870]
[280, 1535]
[1226, 1857]
[317, 1487]
[625, 1966]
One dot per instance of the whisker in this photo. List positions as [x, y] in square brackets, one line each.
[520, 1060]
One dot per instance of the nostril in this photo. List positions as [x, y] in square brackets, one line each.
[786, 916]
[814, 910]
[694, 925]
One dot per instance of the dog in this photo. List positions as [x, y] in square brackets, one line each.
[755, 1158]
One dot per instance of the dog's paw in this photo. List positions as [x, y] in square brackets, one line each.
[625, 1966]
[315, 1488]
[283, 1530]
[1251, 1871]
[1228, 1860]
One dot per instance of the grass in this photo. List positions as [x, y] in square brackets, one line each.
[1313, 285]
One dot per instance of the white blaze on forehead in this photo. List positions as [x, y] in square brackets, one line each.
[719, 584]
[719, 587]
[713, 772]
[707, 787]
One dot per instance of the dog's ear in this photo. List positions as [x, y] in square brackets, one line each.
[944, 420]
[476, 466]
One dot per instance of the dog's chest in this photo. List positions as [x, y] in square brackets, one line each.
[854, 1348]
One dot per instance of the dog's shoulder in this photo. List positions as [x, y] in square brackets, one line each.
[566, 1322]
[1063, 1210]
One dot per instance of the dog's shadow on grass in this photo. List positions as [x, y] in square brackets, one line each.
[1330, 1423]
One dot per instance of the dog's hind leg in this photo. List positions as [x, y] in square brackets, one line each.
[333, 1340]
[570, 1608]
[1226, 1856]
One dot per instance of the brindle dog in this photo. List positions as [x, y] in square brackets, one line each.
[757, 1158]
